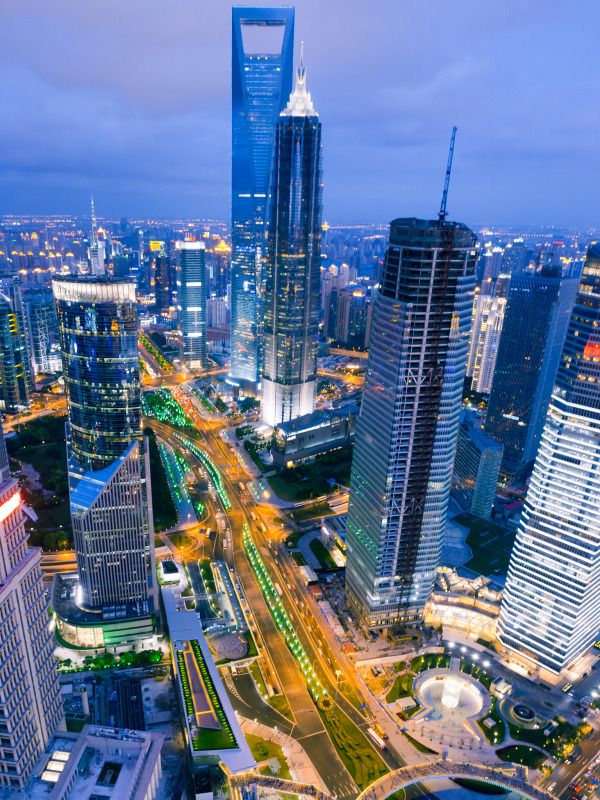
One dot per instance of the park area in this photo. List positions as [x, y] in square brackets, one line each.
[490, 543]
[41, 444]
[314, 479]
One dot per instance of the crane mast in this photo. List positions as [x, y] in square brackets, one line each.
[442, 214]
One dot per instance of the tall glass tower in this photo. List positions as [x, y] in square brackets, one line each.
[550, 611]
[408, 427]
[15, 375]
[535, 323]
[292, 280]
[109, 472]
[191, 302]
[262, 65]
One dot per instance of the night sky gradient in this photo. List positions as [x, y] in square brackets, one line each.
[130, 100]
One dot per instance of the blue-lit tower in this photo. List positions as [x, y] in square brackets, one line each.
[262, 67]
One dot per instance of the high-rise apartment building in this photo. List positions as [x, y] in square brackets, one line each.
[486, 328]
[30, 700]
[162, 284]
[15, 374]
[293, 264]
[191, 302]
[535, 322]
[406, 435]
[262, 65]
[550, 610]
[109, 476]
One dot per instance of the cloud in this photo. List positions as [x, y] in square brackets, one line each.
[132, 100]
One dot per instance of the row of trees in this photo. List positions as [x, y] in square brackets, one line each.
[106, 660]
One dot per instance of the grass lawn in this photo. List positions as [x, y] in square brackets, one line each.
[158, 542]
[522, 754]
[323, 555]
[321, 509]
[207, 576]
[263, 749]
[491, 544]
[252, 649]
[360, 759]
[430, 661]
[210, 739]
[299, 558]
[163, 505]
[496, 734]
[279, 703]
[402, 687]
[410, 712]
[306, 481]
[476, 672]
[181, 540]
[422, 748]
[258, 678]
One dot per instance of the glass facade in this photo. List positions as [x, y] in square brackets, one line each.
[15, 375]
[97, 320]
[292, 280]
[408, 426]
[551, 606]
[191, 302]
[109, 477]
[535, 322]
[261, 85]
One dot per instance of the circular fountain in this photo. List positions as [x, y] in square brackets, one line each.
[450, 694]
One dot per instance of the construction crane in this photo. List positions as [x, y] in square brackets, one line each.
[442, 214]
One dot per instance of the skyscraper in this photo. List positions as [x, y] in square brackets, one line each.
[15, 375]
[486, 330]
[30, 701]
[407, 431]
[262, 61]
[550, 611]
[293, 263]
[535, 322]
[42, 331]
[191, 303]
[109, 476]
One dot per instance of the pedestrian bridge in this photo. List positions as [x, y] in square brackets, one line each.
[510, 777]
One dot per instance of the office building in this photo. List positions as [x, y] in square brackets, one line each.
[293, 265]
[486, 328]
[191, 303]
[30, 701]
[109, 475]
[407, 431]
[39, 314]
[262, 62]
[15, 374]
[535, 322]
[476, 467]
[551, 605]
[162, 284]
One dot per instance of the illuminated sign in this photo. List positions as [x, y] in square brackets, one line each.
[9, 506]
[156, 246]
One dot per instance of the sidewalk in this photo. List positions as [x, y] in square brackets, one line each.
[301, 769]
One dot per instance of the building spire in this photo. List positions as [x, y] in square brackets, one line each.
[300, 104]
[93, 222]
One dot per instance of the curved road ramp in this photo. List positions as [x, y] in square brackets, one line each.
[511, 777]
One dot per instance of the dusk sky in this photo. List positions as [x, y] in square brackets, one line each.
[130, 100]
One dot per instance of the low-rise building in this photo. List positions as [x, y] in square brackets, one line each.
[211, 729]
[315, 433]
[100, 762]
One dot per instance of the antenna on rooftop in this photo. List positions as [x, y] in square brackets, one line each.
[442, 214]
